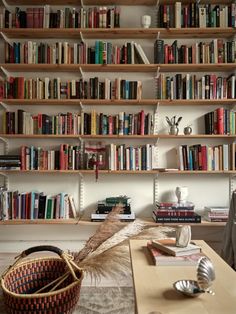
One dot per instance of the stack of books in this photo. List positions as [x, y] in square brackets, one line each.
[10, 162]
[104, 208]
[164, 253]
[169, 212]
[216, 213]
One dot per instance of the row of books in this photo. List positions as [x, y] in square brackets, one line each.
[94, 88]
[220, 121]
[36, 205]
[45, 17]
[189, 87]
[204, 157]
[102, 52]
[66, 157]
[93, 123]
[195, 14]
[121, 157]
[216, 51]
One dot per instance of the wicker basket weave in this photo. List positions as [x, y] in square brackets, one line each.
[43, 285]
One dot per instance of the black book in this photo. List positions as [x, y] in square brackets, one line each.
[176, 219]
[159, 51]
[42, 206]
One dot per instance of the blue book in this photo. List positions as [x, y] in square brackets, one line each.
[96, 52]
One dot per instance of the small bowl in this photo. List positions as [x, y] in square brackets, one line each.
[189, 288]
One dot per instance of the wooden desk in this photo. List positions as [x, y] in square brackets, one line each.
[154, 292]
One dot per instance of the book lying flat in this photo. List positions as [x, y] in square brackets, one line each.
[122, 217]
[161, 258]
[168, 246]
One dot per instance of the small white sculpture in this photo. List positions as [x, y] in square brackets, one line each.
[183, 235]
[182, 193]
[146, 21]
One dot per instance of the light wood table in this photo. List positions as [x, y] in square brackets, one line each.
[154, 292]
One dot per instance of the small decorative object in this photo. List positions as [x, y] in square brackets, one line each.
[173, 123]
[205, 277]
[183, 235]
[188, 130]
[181, 193]
[146, 21]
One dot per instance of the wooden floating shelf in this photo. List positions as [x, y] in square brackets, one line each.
[148, 136]
[39, 222]
[223, 67]
[82, 221]
[117, 102]
[141, 172]
[106, 2]
[118, 33]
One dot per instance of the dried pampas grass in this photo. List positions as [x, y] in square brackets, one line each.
[110, 226]
[113, 263]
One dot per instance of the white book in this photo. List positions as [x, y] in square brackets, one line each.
[202, 17]
[154, 157]
[142, 54]
[178, 15]
[121, 216]
[225, 157]
[46, 16]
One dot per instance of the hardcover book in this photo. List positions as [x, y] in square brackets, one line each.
[168, 245]
[161, 258]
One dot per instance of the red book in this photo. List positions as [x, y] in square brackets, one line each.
[22, 157]
[220, 120]
[173, 213]
[204, 158]
[36, 17]
[30, 17]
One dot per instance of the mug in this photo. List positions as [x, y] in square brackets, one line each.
[146, 21]
[183, 235]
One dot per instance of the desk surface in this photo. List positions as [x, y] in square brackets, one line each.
[154, 292]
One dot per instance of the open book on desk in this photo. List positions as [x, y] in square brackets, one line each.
[168, 245]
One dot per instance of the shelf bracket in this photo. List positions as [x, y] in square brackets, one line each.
[156, 119]
[81, 36]
[155, 189]
[6, 38]
[6, 182]
[81, 72]
[81, 106]
[4, 105]
[6, 145]
[158, 72]
[158, 35]
[5, 72]
[81, 193]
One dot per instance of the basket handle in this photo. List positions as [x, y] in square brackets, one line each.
[66, 257]
[41, 248]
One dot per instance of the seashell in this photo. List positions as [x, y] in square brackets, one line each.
[189, 288]
[205, 273]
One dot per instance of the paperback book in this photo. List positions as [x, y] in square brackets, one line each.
[168, 245]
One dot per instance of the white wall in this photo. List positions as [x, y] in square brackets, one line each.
[203, 189]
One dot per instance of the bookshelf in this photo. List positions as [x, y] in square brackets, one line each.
[142, 69]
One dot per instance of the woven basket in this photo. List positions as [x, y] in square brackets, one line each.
[43, 285]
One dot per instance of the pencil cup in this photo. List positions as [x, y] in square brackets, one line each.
[183, 235]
